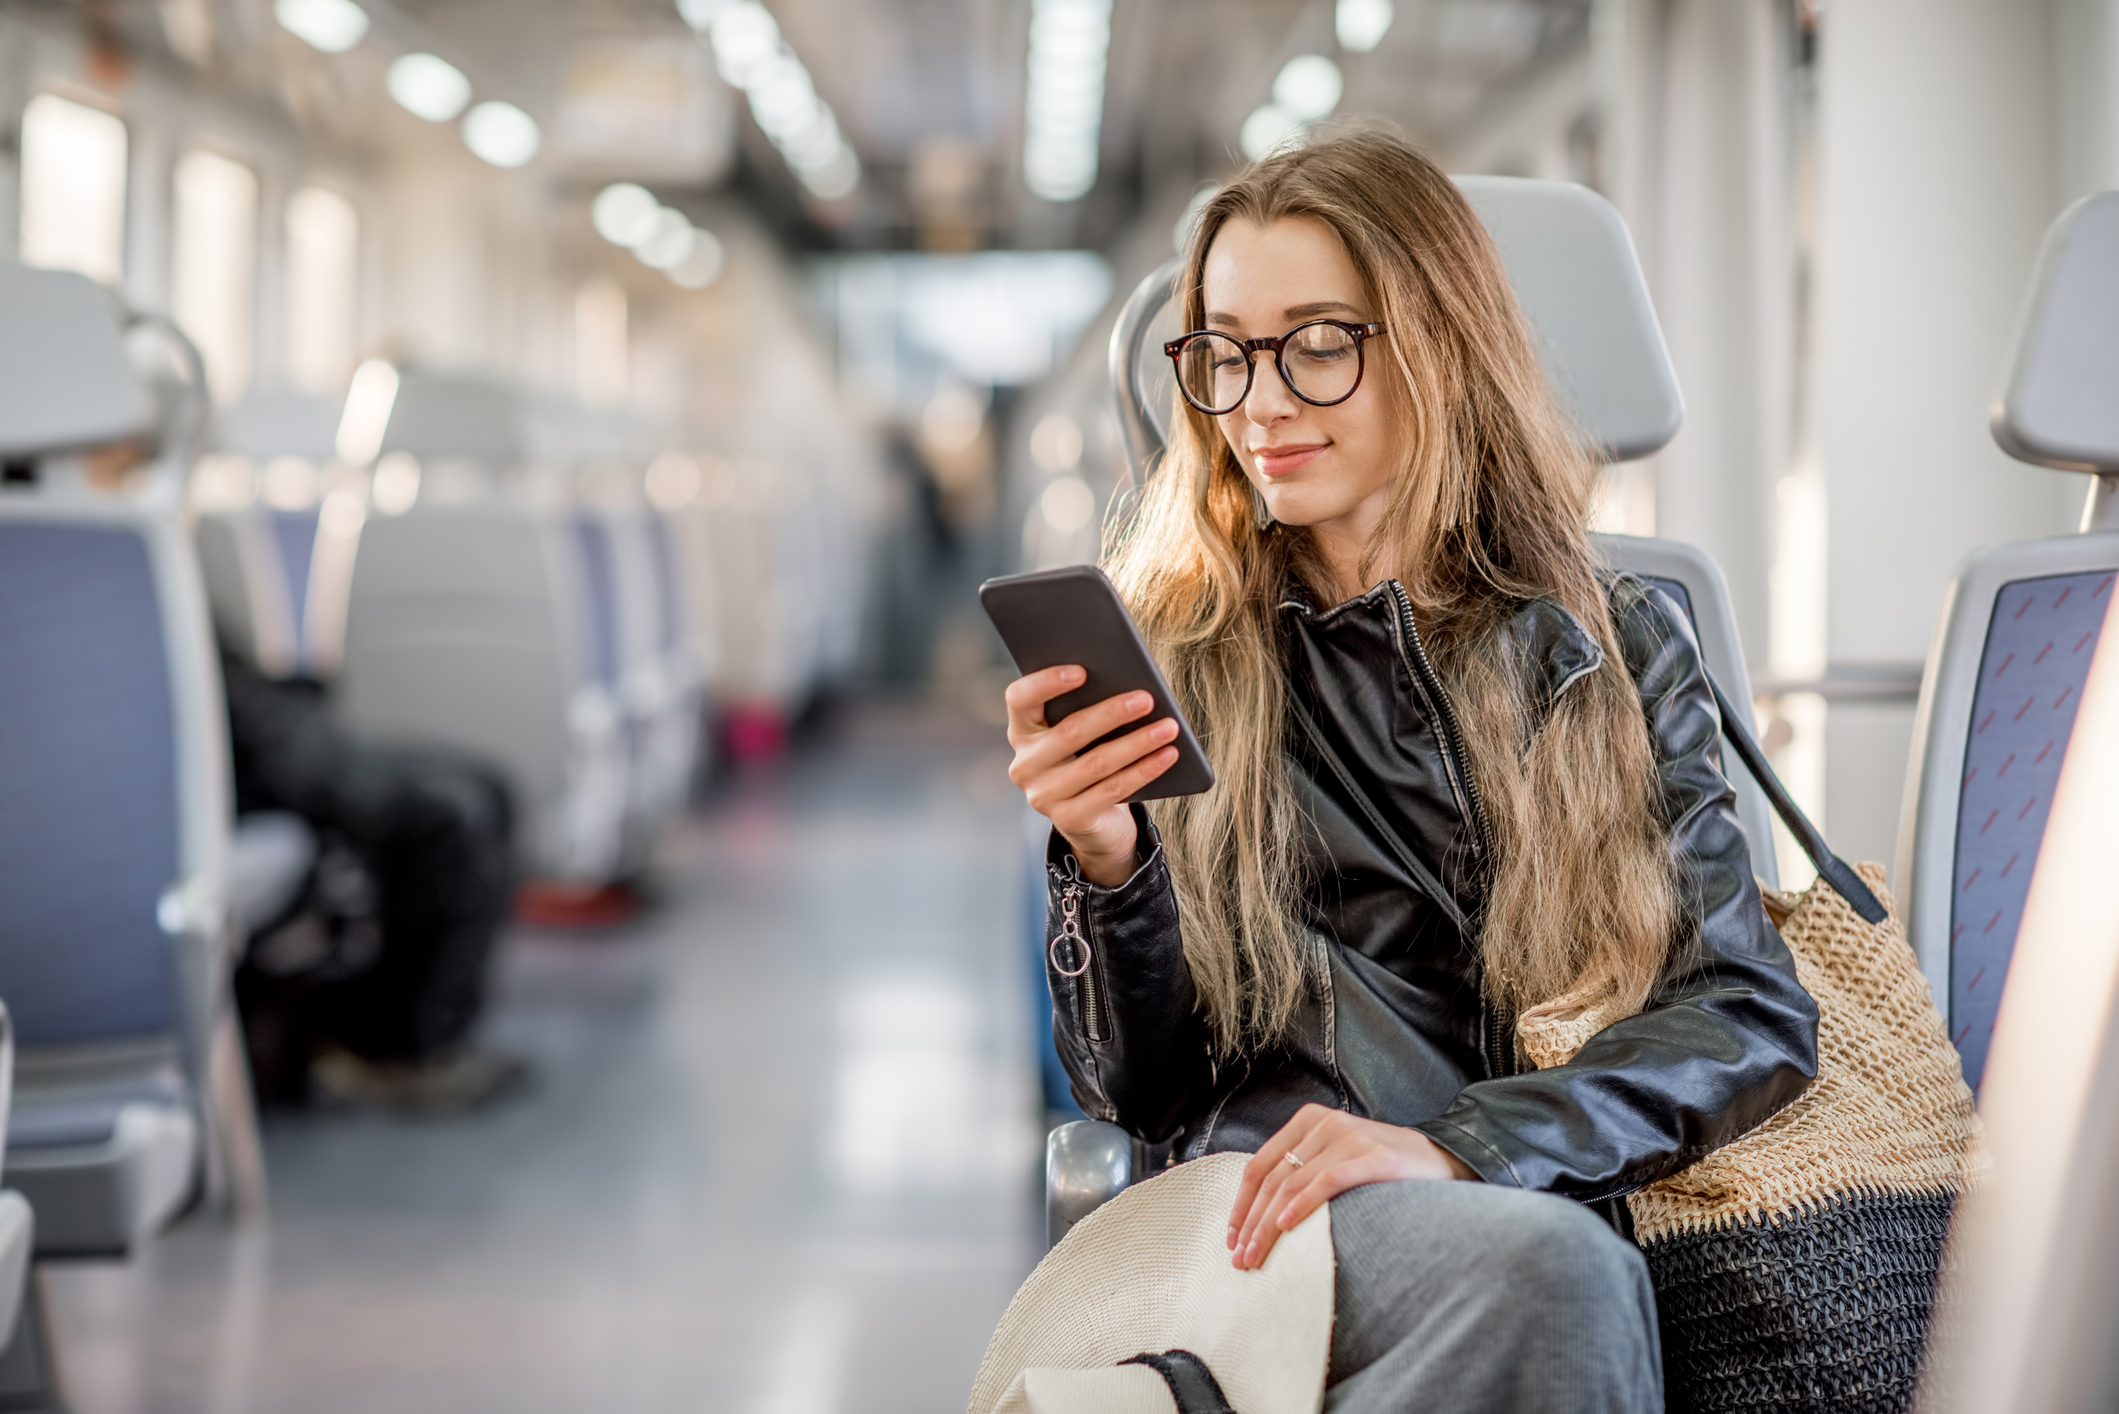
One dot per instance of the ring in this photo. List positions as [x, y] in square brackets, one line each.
[1290, 1157]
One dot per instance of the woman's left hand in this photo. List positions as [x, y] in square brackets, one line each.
[1336, 1151]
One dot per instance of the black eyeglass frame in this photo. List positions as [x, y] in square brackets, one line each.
[1361, 334]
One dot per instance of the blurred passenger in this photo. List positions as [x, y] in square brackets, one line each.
[375, 973]
[1462, 772]
[378, 972]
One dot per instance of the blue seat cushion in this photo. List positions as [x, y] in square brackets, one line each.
[88, 785]
[2040, 640]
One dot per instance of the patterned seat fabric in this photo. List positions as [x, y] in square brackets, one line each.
[2039, 643]
[88, 788]
[294, 540]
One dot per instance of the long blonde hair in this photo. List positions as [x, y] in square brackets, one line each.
[1488, 510]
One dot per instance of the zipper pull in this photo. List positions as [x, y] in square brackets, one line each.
[1070, 933]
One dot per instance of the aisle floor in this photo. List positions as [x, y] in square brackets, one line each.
[779, 1157]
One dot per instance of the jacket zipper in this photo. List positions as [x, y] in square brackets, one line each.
[1453, 753]
[1492, 1041]
[1081, 962]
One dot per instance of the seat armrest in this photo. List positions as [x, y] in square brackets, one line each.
[1087, 1164]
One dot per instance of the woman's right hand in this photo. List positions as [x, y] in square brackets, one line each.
[1085, 796]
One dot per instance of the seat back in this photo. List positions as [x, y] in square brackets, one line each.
[1573, 268]
[2012, 649]
[114, 794]
[481, 622]
[660, 684]
[260, 559]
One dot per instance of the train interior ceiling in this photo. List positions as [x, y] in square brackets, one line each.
[512, 895]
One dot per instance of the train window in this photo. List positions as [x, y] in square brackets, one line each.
[73, 188]
[214, 263]
[323, 286]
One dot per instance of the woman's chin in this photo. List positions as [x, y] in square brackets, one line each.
[1296, 510]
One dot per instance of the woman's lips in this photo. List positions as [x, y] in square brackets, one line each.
[1279, 461]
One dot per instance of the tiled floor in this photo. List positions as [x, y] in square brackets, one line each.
[780, 1158]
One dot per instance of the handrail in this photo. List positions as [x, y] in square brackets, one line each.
[178, 444]
[1895, 682]
[1136, 421]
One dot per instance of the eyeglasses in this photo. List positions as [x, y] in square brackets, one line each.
[1320, 362]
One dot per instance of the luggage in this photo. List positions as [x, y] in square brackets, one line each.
[1795, 1269]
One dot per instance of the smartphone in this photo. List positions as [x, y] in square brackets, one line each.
[1073, 615]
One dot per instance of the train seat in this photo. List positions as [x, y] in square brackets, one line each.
[753, 539]
[18, 1221]
[642, 643]
[661, 687]
[1572, 264]
[473, 622]
[115, 931]
[269, 568]
[2013, 643]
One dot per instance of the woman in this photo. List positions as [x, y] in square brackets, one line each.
[1460, 774]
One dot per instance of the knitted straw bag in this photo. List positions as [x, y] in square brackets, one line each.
[1794, 1268]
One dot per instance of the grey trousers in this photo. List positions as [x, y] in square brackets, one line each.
[1472, 1298]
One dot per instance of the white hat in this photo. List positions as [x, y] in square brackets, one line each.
[1148, 1273]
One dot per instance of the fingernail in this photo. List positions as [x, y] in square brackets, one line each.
[1140, 702]
[1165, 729]
[1072, 675]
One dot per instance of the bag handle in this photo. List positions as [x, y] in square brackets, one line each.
[1830, 867]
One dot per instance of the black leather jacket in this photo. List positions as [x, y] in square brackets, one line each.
[1394, 1026]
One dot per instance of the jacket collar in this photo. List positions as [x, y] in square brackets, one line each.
[1545, 639]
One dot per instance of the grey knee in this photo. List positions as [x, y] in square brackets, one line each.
[1552, 1244]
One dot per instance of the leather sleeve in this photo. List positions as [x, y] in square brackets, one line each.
[1730, 1036]
[1128, 1029]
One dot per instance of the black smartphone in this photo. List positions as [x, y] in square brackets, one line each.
[1073, 615]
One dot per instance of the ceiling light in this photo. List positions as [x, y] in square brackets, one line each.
[816, 146]
[428, 86]
[671, 242]
[703, 265]
[752, 56]
[1063, 102]
[1267, 128]
[745, 40]
[783, 99]
[624, 213]
[333, 26]
[836, 179]
[700, 13]
[1363, 23]
[501, 133]
[1309, 87]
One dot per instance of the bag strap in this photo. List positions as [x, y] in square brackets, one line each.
[1830, 867]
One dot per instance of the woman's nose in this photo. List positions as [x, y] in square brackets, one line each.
[1269, 400]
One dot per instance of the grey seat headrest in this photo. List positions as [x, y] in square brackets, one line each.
[1579, 283]
[457, 415]
[2060, 404]
[280, 423]
[65, 381]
